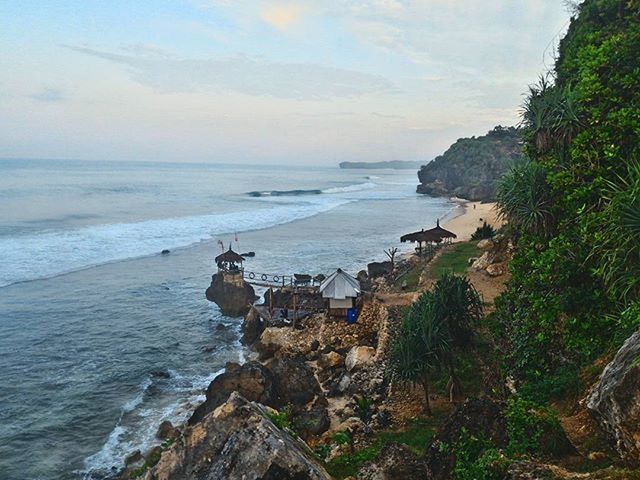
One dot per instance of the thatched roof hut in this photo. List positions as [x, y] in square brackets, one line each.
[230, 257]
[441, 232]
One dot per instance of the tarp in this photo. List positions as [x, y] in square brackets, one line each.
[340, 285]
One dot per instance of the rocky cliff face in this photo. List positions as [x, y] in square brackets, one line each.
[470, 167]
[236, 442]
[233, 297]
[614, 401]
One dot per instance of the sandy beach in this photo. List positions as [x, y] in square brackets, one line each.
[472, 217]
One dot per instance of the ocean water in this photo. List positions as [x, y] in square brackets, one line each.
[102, 338]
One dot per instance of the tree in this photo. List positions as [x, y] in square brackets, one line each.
[437, 324]
[421, 344]
[459, 307]
[391, 253]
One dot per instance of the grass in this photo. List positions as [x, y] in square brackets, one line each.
[453, 259]
[416, 436]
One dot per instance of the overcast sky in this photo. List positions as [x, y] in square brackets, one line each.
[257, 81]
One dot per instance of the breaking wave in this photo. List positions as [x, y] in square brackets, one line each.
[294, 193]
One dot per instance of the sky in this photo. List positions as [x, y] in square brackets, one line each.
[294, 82]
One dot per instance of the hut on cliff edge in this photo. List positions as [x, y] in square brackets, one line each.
[342, 290]
[229, 261]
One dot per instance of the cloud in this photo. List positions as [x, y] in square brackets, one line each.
[281, 17]
[48, 95]
[301, 81]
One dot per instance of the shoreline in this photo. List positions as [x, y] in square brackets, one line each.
[472, 216]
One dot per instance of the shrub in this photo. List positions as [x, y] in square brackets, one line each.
[485, 231]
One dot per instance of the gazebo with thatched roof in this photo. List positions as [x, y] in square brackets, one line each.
[444, 234]
[229, 261]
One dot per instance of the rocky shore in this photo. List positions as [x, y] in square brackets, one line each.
[314, 400]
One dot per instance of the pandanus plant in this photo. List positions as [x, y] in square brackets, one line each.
[436, 326]
[524, 199]
[551, 115]
[617, 249]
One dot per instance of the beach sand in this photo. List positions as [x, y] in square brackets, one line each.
[472, 216]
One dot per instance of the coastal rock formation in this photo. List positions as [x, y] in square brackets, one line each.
[497, 253]
[253, 380]
[294, 381]
[231, 293]
[470, 167]
[236, 442]
[378, 269]
[614, 401]
[252, 327]
[394, 462]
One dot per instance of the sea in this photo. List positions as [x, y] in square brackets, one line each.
[102, 337]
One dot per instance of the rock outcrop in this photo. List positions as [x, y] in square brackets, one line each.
[470, 167]
[231, 293]
[236, 442]
[252, 380]
[614, 401]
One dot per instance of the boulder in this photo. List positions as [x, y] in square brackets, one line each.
[359, 356]
[330, 360]
[495, 270]
[254, 382]
[315, 420]
[231, 293]
[394, 462]
[614, 401]
[236, 442]
[252, 327]
[485, 244]
[294, 382]
[271, 341]
[378, 269]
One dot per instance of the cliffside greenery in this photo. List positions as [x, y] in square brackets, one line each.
[471, 167]
[574, 206]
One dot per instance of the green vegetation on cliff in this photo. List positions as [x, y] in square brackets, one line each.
[574, 208]
[470, 167]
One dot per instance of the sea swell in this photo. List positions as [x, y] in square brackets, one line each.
[302, 192]
[51, 253]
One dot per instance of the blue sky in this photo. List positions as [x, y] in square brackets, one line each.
[278, 82]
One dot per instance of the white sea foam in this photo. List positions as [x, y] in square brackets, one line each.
[350, 188]
[48, 254]
[137, 427]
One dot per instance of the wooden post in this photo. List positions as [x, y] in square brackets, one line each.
[295, 316]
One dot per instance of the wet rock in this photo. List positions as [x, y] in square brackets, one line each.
[160, 374]
[231, 293]
[165, 252]
[359, 356]
[134, 458]
[614, 402]
[236, 442]
[166, 431]
[394, 462]
[252, 380]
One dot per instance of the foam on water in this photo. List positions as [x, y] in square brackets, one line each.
[48, 254]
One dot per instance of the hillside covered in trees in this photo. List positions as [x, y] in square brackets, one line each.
[470, 167]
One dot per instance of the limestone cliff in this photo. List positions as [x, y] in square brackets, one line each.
[471, 167]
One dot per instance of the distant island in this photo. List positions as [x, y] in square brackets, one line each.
[470, 167]
[394, 164]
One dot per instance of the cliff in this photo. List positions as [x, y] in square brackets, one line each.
[470, 167]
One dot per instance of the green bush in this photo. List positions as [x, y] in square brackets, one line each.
[483, 232]
[478, 459]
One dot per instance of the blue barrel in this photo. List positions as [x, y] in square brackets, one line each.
[351, 316]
